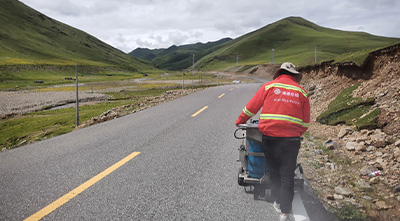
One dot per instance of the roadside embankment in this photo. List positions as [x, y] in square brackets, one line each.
[338, 158]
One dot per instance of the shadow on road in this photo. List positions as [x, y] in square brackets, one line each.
[306, 205]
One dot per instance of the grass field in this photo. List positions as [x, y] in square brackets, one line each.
[44, 124]
[25, 79]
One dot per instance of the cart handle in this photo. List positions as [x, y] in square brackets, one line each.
[234, 134]
[244, 127]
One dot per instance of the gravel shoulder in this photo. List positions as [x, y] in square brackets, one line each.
[20, 102]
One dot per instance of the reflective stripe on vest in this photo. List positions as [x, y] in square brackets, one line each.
[247, 112]
[287, 86]
[284, 118]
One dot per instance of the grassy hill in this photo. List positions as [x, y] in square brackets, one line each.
[178, 57]
[28, 37]
[293, 39]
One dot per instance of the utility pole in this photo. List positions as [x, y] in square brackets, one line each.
[272, 55]
[193, 65]
[183, 80]
[193, 71]
[77, 98]
[237, 59]
[315, 54]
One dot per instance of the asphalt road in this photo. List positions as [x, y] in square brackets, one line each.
[184, 167]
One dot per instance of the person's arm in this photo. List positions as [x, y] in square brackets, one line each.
[252, 107]
[306, 115]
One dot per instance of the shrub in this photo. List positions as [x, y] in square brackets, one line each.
[350, 212]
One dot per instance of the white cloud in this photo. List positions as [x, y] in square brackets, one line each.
[127, 24]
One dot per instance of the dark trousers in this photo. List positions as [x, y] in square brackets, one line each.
[281, 156]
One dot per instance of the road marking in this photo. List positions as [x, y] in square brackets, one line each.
[61, 201]
[299, 212]
[198, 112]
[231, 89]
[221, 95]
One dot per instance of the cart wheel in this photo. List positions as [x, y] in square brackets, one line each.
[240, 180]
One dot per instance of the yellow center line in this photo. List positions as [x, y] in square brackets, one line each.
[198, 112]
[231, 89]
[221, 95]
[61, 201]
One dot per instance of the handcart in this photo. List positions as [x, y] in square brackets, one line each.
[253, 170]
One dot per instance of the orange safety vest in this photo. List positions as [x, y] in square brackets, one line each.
[285, 108]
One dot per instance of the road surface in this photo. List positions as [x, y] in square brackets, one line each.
[175, 161]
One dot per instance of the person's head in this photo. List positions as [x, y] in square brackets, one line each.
[288, 69]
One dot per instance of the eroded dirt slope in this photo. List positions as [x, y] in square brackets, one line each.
[357, 152]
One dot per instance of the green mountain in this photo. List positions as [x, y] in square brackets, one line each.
[178, 57]
[28, 37]
[293, 39]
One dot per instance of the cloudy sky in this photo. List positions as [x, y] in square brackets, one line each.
[129, 24]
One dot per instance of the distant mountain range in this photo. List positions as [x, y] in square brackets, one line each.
[291, 39]
[28, 37]
[178, 57]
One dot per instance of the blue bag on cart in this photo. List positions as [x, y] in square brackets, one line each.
[256, 165]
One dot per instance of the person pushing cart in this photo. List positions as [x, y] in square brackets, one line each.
[284, 118]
